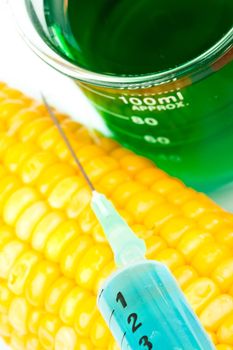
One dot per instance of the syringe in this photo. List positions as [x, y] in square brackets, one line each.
[142, 303]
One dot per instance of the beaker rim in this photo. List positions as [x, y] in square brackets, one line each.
[47, 54]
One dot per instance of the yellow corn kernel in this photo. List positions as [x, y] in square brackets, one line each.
[49, 138]
[69, 305]
[123, 192]
[5, 298]
[140, 203]
[208, 257]
[84, 315]
[78, 202]
[8, 255]
[60, 239]
[17, 154]
[89, 152]
[72, 255]
[113, 179]
[211, 221]
[6, 235]
[157, 218]
[34, 318]
[98, 234]
[17, 341]
[3, 171]
[11, 107]
[61, 194]
[148, 176]
[2, 124]
[99, 335]
[185, 275]
[42, 276]
[27, 221]
[45, 228]
[91, 264]
[30, 131]
[108, 145]
[62, 152]
[194, 208]
[5, 142]
[216, 312]
[66, 339]
[225, 332]
[171, 257]
[16, 121]
[5, 327]
[134, 164]
[8, 185]
[32, 343]
[17, 203]
[224, 347]
[84, 135]
[56, 294]
[192, 241]
[87, 220]
[48, 328]
[223, 274]
[18, 313]
[225, 235]
[154, 244]
[181, 196]
[113, 346]
[2, 86]
[120, 152]
[98, 167]
[9, 92]
[52, 175]
[175, 228]
[32, 167]
[200, 293]
[165, 186]
[20, 271]
[213, 337]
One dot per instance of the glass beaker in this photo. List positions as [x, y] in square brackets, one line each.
[181, 118]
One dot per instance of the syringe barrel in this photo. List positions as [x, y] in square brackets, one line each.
[145, 309]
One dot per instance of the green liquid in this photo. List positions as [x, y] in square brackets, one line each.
[187, 132]
[135, 36]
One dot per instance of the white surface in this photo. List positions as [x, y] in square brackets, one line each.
[22, 69]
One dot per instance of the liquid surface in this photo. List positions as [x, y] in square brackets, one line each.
[135, 37]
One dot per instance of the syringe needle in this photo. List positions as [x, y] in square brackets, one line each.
[67, 142]
[127, 247]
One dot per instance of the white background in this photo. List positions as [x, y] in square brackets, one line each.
[22, 69]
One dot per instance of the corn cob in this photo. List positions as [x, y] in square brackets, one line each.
[53, 253]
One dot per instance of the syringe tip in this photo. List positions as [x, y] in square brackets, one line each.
[127, 247]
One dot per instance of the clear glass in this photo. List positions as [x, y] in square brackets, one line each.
[180, 118]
